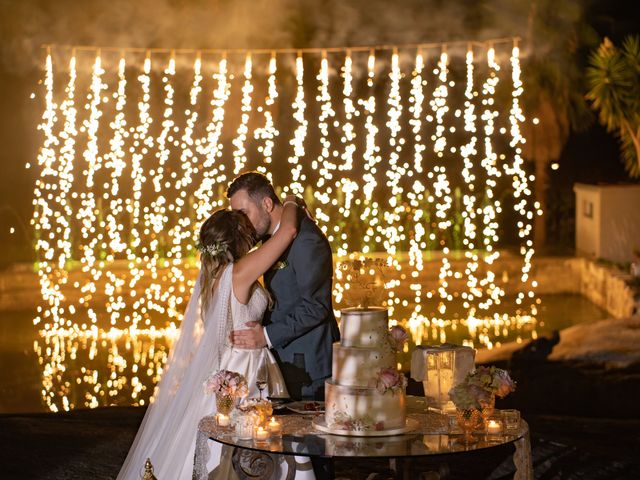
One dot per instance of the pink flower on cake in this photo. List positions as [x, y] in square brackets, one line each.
[390, 379]
[398, 336]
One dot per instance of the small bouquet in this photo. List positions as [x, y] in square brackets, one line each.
[398, 336]
[479, 387]
[259, 409]
[226, 383]
[493, 380]
[390, 379]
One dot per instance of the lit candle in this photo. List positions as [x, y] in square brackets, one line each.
[275, 427]
[260, 434]
[222, 419]
[494, 427]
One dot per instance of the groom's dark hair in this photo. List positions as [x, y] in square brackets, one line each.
[256, 184]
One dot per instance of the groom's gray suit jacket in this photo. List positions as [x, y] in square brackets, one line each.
[301, 325]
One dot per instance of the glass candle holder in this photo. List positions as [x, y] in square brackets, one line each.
[260, 434]
[274, 427]
[244, 427]
[452, 422]
[511, 419]
[223, 420]
[493, 426]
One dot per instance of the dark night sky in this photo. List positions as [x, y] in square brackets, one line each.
[589, 156]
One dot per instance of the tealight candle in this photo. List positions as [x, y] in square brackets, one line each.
[274, 426]
[222, 420]
[494, 427]
[260, 434]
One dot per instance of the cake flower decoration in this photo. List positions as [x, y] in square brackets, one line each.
[398, 336]
[389, 379]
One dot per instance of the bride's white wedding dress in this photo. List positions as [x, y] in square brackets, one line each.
[168, 431]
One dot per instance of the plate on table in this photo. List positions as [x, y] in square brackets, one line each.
[278, 403]
[305, 407]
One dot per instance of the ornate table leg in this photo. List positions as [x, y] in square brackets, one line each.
[522, 459]
[249, 464]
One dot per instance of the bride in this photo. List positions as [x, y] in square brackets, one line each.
[226, 296]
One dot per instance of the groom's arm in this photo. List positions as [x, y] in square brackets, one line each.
[310, 258]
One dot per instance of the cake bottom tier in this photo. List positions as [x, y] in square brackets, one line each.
[363, 408]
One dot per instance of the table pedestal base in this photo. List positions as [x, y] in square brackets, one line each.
[250, 464]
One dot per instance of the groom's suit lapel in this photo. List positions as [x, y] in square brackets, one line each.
[277, 268]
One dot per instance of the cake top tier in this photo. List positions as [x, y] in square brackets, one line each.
[364, 327]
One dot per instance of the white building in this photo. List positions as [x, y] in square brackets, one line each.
[607, 221]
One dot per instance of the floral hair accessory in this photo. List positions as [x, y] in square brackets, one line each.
[212, 249]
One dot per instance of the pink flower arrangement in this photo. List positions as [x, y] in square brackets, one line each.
[478, 387]
[390, 379]
[225, 382]
[493, 380]
[398, 336]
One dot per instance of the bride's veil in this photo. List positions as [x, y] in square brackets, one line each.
[168, 430]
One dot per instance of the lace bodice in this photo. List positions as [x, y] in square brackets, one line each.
[253, 310]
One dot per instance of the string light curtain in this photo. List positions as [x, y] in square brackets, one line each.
[409, 153]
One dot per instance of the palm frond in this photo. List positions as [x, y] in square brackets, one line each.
[613, 77]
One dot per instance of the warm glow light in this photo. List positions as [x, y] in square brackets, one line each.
[136, 154]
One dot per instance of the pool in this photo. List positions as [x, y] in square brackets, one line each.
[65, 372]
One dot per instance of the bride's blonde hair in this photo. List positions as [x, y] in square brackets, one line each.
[225, 237]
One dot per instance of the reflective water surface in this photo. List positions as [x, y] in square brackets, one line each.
[109, 367]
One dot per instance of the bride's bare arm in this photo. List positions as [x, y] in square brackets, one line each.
[250, 267]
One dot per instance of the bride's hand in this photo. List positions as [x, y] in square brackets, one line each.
[299, 201]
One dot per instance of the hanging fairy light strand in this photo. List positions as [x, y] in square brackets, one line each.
[299, 133]
[468, 152]
[210, 148]
[324, 192]
[345, 183]
[268, 133]
[415, 195]
[240, 153]
[371, 158]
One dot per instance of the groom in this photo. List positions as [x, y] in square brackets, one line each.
[301, 327]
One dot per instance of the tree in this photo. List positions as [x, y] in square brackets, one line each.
[553, 96]
[613, 77]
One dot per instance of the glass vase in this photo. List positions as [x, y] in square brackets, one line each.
[488, 407]
[224, 403]
[467, 421]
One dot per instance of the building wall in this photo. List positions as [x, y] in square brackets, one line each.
[620, 223]
[587, 220]
[608, 221]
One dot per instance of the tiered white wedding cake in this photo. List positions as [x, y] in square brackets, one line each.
[366, 392]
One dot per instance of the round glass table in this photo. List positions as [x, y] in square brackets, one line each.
[432, 446]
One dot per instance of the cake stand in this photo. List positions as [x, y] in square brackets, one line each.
[319, 423]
